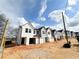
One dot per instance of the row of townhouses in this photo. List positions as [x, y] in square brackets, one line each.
[27, 34]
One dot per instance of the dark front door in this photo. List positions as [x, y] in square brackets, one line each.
[22, 41]
[32, 41]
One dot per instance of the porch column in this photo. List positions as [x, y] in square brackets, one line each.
[37, 41]
[27, 41]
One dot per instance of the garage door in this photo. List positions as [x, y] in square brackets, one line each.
[32, 41]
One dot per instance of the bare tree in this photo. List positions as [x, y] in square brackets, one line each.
[2, 23]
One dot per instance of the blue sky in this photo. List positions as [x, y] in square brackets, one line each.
[42, 12]
[52, 5]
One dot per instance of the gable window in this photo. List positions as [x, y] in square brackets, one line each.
[48, 32]
[26, 30]
[29, 30]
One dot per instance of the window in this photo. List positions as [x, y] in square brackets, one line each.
[26, 30]
[34, 31]
[29, 30]
[48, 32]
[43, 32]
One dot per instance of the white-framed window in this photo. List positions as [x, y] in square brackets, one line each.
[26, 30]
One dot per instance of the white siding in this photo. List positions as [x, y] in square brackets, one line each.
[43, 35]
[24, 34]
[49, 35]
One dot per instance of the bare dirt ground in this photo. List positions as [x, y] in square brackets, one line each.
[52, 50]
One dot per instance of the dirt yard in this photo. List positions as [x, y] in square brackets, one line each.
[52, 50]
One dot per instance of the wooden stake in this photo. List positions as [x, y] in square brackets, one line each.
[4, 38]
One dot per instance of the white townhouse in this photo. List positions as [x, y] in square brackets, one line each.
[49, 34]
[61, 34]
[45, 35]
[73, 34]
[26, 35]
[41, 32]
[57, 35]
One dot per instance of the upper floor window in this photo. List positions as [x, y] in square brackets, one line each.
[34, 31]
[26, 30]
[43, 32]
[29, 30]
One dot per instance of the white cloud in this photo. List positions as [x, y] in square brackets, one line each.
[69, 8]
[72, 2]
[57, 26]
[36, 24]
[56, 15]
[22, 20]
[42, 18]
[74, 21]
[42, 10]
[16, 21]
[71, 23]
[43, 7]
[13, 9]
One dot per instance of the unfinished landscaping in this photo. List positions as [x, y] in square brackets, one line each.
[53, 50]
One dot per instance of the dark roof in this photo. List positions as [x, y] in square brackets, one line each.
[54, 30]
[63, 30]
[60, 30]
[41, 28]
[48, 28]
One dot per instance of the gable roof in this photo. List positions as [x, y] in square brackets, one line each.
[48, 28]
[29, 23]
